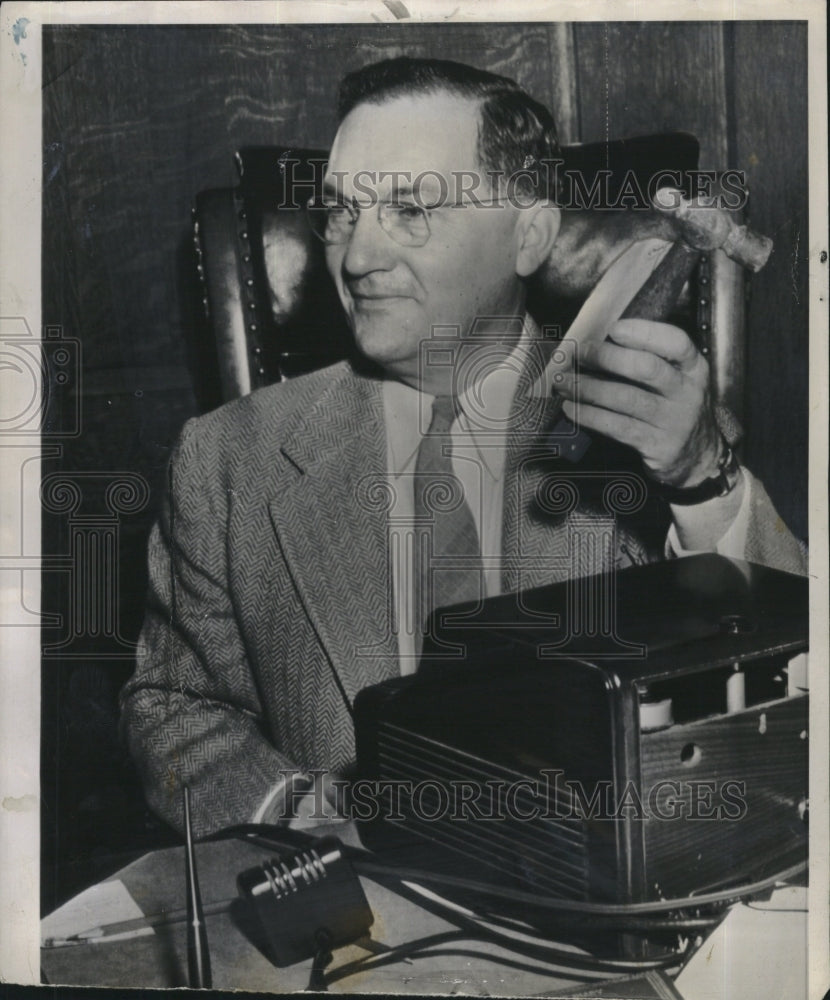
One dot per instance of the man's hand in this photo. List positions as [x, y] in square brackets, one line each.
[663, 409]
[321, 803]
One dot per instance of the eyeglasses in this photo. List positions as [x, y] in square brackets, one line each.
[406, 223]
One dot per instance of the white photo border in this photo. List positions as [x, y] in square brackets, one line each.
[20, 299]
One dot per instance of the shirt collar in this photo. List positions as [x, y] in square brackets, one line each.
[484, 409]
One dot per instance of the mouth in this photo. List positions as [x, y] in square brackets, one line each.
[374, 300]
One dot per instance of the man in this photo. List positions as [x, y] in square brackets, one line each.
[272, 599]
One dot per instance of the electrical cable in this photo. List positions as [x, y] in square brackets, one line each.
[255, 833]
[547, 952]
[573, 906]
[366, 965]
[603, 916]
[317, 982]
[269, 835]
[562, 970]
[619, 924]
[412, 949]
[593, 922]
[282, 838]
[573, 960]
[427, 948]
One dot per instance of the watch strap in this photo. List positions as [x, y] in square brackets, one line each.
[720, 485]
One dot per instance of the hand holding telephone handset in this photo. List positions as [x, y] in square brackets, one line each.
[642, 381]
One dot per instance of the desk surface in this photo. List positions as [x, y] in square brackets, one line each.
[156, 882]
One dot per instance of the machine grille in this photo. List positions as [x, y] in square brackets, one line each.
[486, 811]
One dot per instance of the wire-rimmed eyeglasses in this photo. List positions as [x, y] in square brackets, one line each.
[405, 222]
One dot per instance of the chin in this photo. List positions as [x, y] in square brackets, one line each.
[388, 341]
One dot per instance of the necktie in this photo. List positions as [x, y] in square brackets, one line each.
[447, 554]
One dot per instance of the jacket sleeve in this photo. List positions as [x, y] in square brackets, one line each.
[190, 713]
[768, 539]
[757, 534]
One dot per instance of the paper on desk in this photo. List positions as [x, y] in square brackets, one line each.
[759, 951]
[107, 903]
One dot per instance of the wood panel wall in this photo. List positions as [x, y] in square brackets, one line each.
[138, 119]
[741, 89]
[768, 139]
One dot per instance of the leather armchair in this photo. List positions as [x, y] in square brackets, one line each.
[272, 311]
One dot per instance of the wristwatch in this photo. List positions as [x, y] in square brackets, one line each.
[721, 485]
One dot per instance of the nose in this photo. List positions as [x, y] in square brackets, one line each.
[369, 247]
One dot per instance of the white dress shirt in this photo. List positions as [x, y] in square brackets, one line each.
[478, 436]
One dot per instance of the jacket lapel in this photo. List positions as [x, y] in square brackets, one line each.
[544, 493]
[534, 533]
[331, 527]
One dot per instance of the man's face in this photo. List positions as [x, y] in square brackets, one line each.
[395, 295]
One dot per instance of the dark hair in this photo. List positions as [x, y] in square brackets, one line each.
[516, 134]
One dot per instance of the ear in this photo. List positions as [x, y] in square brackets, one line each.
[536, 233]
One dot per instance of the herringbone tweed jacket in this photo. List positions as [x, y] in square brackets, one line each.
[269, 593]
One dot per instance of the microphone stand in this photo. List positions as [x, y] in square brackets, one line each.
[198, 955]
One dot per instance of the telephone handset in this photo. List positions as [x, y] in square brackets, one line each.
[661, 251]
